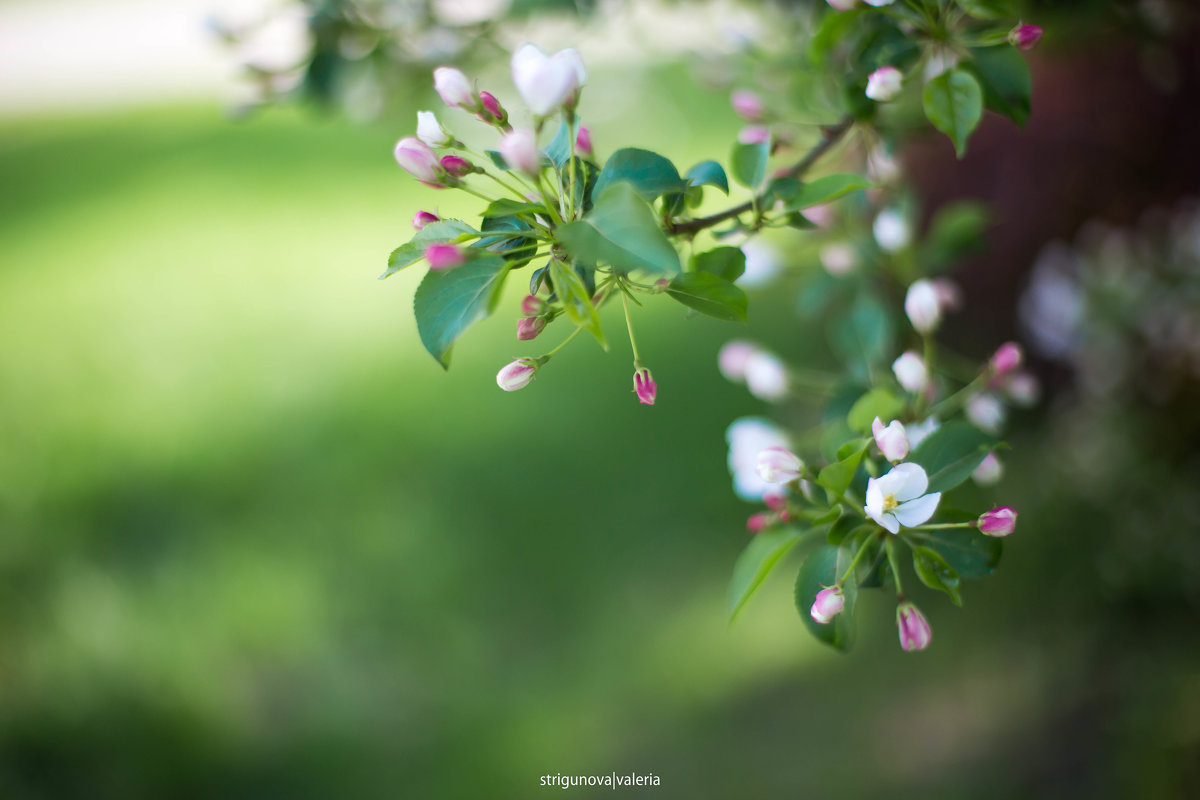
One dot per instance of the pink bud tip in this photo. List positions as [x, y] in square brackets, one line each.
[998, 522]
[776, 501]
[754, 134]
[778, 465]
[757, 523]
[423, 218]
[457, 166]
[827, 605]
[915, 633]
[517, 374]
[444, 256]
[492, 108]
[1006, 359]
[747, 105]
[529, 328]
[644, 385]
[583, 141]
[1025, 37]
[532, 305]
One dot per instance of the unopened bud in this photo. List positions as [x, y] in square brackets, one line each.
[922, 306]
[492, 110]
[1006, 358]
[419, 160]
[884, 84]
[778, 465]
[532, 305]
[891, 439]
[827, 605]
[583, 142]
[989, 472]
[457, 166]
[644, 386]
[766, 376]
[519, 149]
[998, 522]
[985, 412]
[915, 633]
[754, 134]
[423, 218]
[747, 105]
[1025, 37]
[444, 256]
[757, 523]
[910, 372]
[517, 374]
[454, 88]
[430, 131]
[529, 328]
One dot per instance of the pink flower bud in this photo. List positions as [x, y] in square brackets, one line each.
[519, 149]
[989, 472]
[776, 499]
[922, 306]
[754, 134]
[1023, 388]
[910, 372]
[583, 142]
[444, 256]
[747, 105]
[423, 218]
[644, 385]
[884, 84]
[827, 605]
[915, 633]
[732, 358]
[492, 110]
[891, 440]
[529, 328]
[892, 231]
[998, 522]
[757, 523]
[457, 166]
[454, 88]
[532, 305]
[516, 375]
[985, 412]
[778, 465]
[1006, 359]
[418, 160]
[1025, 37]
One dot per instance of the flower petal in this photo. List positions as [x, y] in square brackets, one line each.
[874, 505]
[890, 522]
[918, 511]
[911, 481]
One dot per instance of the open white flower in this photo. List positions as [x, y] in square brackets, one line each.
[898, 498]
[545, 82]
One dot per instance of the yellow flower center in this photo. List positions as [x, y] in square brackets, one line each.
[889, 503]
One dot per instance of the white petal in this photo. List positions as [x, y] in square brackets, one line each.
[890, 522]
[874, 505]
[917, 512]
[910, 482]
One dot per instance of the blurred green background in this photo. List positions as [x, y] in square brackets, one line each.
[255, 543]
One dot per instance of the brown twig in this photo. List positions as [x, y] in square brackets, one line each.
[829, 137]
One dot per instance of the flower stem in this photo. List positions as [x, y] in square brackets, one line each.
[857, 557]
[943, 526]
[637, 360]
[890, 544]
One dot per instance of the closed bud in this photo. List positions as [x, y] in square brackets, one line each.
[884, 84]
[457, 166]
[418, 160]
[892, 231]
[444, 256]
[891, 439]
[910, 372]
[747, 105]
[1025, 37]
[989, 472]
[454, 88]
[998, 522]
[775, 498]
[519, 149]
[948, 294]
[1023, 388]
[985, 412]
[492, 110]
[529, 328]
[754, 134]
[757, 523]
[532, 305]
[430, 131]
[827, 605]
[733, 357]
[766, 376]
[843, 5]
[516, 375]
[583, 142]
[423, 218]
[644, 386]
[547, 83]
[838, 259]
[1006, 358]
[922, 306]
[915, 633]
[778, 465]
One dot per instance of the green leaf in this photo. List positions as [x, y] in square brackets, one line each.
[825, 189]
[957, 230]
[709, 294]
[440, 232]
[708, 173]
[875, 403]
[620, 231]
[517, 250]
[936, 573]
[497, 159]
[749, 163]
[1004, 77]
[822, 568]
[576, 299]
[954, 104]
[724, 262]
[449, 301]
[559, 149]
[987, 9]
[951, 453]
[648, 173]
[971, 554]
[838, 476]
[863, 337]
[841, 527]
[756, 562]
[504, 207]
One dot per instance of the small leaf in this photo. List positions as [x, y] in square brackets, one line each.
[709, 294]
[497, 159]
[838, 476]
[954, 104]
[825, 189]
[969, 552]
[559, 149]
[724, 262]
[1004, 77]
[449, 301]
[576, 299]
[951, 453]
[821, 569]
[957, 230]
[842, 527]
[648, 173]
[749, 163]
[756, 562]
[517, 250]
[863, 336]
[504, 207]
[708, 173]
[875, 403]
[620, 231]
[936, 573]
[440, 232]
